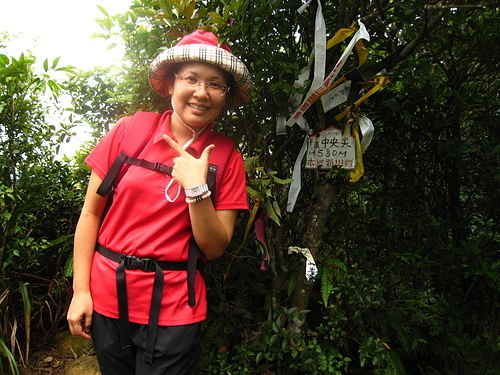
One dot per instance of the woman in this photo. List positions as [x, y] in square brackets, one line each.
[135, 295]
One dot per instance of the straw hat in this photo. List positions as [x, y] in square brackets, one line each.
[202, 46]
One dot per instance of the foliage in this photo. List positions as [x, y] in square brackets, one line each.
[37, 206]
[4, 350]
[93, 98]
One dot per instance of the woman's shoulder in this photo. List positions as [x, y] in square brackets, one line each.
[219, 138]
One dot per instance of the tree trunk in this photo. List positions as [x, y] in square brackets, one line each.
[325, 191]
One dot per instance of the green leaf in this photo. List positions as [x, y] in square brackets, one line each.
[4, 60]
[188, 13]
[11, 70]
[273, 340]
[27, 316]
[251, 163]
[107, 24]
[282, 181]
[255, 194]
[103, 10]
[4, 350]
[145, 12]
[275, 327]
[99, 35]
[165, 7]
[174, 3]
[56, 61]
[258, 357]
[216, 16]
[68, 267]
[61, 239]
[326, 285]
[271, 212]
[340, 264]
[277, 208]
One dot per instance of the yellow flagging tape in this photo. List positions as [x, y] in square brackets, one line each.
[342, 35]
[362, 52]
[359, 170]
[379, 83]
[339, 37]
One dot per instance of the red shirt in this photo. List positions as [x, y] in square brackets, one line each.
[143, 223]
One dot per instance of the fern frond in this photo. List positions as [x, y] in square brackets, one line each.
[395, 365]
[326, 284]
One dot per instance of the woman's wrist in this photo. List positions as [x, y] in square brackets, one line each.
[196, 191]
[199, 198]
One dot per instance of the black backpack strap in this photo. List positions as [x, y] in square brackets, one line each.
[211, 181]
[123, 322]
[109, 182]
[154, 314]
[159, 167]
[138, 132]
[193, 246]
[191, 271]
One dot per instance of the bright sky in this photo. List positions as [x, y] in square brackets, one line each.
[61, 28]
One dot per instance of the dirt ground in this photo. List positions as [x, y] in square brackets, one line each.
[65, 355]
[47, 362]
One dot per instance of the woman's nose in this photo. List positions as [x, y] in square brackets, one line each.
[201, 90]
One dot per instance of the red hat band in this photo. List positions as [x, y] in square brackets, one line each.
[203, 37]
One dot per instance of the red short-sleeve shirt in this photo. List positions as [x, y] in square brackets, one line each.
[143, 223]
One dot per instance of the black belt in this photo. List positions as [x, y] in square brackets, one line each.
[148, 265]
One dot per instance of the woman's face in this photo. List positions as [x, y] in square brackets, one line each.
[198, 106]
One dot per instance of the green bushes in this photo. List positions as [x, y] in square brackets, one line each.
[38, 205]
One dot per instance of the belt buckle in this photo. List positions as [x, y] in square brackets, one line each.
[149, 265]
[130, 262]
[133, 263]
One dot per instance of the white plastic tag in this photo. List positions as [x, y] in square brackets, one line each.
[336, 96]
[311, 269]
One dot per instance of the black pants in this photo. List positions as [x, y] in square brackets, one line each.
[177, 349]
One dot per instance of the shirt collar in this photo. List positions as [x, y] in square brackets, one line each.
[165, 128]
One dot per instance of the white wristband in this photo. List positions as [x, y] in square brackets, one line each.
[196, 191]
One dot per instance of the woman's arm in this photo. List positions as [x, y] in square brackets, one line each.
[212, 230]
[80, 310]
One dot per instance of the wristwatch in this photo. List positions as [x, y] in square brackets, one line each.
[196, 191]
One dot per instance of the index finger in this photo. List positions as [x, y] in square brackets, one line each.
[175, 146]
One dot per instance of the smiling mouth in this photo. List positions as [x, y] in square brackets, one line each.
[198, 107]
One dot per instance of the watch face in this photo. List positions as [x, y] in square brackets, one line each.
[196, 190]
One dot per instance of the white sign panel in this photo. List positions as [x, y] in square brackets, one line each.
[330, 149]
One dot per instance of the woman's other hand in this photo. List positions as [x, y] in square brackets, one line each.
[80, 314]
